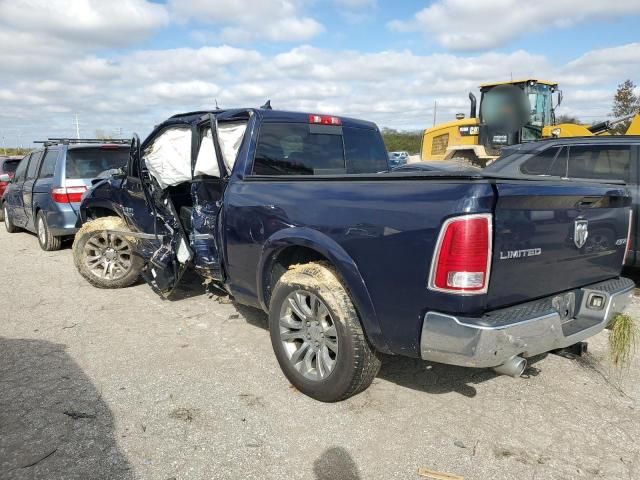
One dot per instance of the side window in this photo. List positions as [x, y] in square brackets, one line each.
[548, 162]
[602, 162]
[22, 169]
[299, 149]
[33, 165]
[365, 151]
[49, 164]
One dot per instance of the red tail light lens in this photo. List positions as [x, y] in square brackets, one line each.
[462, 260]
[324, 119]
[67, 194]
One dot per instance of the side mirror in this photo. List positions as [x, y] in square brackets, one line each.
[559, 98]
[5, 178]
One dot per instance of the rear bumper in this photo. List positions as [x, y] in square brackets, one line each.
[62, 219]
[528, 329]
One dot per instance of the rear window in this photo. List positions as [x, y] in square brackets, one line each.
[90, 162]
[308, 149]
[9, 166]
[365, 151]
[298, 149]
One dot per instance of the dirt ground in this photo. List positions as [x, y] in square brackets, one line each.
[121, 384]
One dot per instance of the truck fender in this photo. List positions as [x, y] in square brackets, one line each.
[341, 261]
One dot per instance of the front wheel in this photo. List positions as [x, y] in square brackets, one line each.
[317, 336]
[8, 223]
[47, 241]
[106, 260]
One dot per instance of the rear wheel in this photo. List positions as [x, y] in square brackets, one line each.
[317, 336]
[47, 241]
[106, 260]
[8, 223]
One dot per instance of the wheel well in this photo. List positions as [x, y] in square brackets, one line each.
[99, 212]
[285, 258]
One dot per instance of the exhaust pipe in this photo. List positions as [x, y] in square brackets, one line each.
[512, 367]
[473, 112]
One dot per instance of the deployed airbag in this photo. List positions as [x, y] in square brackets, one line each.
[168, 158]
[230, 136]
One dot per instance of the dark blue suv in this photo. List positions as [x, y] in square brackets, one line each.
[45, 192]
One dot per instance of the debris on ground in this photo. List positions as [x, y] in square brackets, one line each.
[76, 414]
[184, 414]
[425, 472]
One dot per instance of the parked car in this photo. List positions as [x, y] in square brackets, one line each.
[44, 194]
[398, 158]
[438, 166]
[288, 212]
[602, 159]
[8, 167]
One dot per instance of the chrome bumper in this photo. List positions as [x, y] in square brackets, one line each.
[528, 329]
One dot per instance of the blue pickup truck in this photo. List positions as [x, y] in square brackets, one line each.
[300, 215]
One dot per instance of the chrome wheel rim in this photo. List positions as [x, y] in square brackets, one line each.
[7, 222]
[42, 233]
[108, 256]
[308, 334]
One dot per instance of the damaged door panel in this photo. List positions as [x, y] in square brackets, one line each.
[165, 169]
[184, 171]
[207, 189]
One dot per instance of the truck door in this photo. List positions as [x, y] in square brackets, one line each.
[210, 175]
[27, 189]
[164, 166]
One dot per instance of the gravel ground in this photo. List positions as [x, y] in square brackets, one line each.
[121, 384]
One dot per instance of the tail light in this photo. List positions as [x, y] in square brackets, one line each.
[462, 259]
[67, 194]
[324, 119]
[628, 244]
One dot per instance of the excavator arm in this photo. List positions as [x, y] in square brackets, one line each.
[634, 126]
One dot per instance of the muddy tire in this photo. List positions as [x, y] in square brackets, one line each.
[46, 240]
[106, 260]
[8, 223]
[317, 336]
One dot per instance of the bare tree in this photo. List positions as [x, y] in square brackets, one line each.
[625, 102]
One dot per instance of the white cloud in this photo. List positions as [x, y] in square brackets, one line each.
[87, 22]
[243, 21]
[135, 89]
[473, 26]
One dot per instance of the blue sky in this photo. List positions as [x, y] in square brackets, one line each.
[124, 65]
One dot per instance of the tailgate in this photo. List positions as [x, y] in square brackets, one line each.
[551, 237]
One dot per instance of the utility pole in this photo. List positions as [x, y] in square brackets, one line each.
[77, 128]
[435, 112]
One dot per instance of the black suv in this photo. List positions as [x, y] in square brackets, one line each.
[603, 158]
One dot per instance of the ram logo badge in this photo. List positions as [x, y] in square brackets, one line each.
[581, 233]
[527, 252]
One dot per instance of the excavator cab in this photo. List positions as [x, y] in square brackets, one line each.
[510, 113]
[515, 112]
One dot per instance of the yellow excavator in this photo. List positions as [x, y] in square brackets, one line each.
[510, 112]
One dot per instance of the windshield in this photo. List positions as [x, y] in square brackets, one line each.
[540, 106]
[90, 162]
